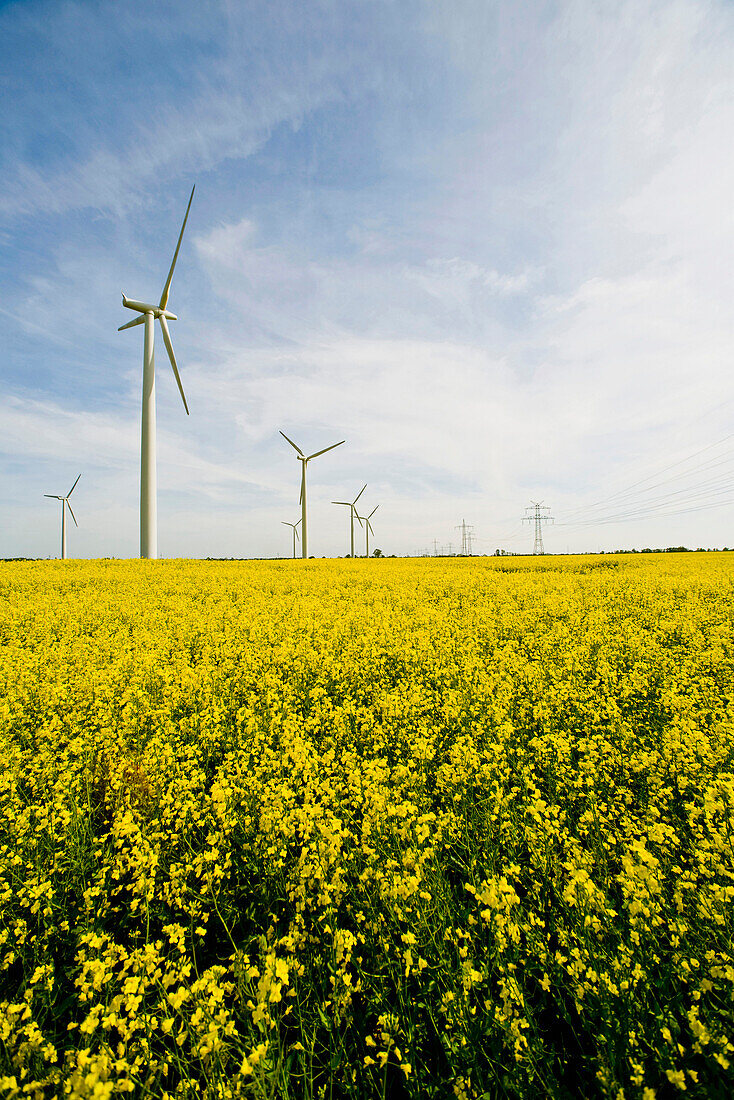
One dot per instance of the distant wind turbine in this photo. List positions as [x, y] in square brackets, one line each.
[304, 460]
[295, 532]
[148, 490]
[368, 529]
[351, 505]
[65, 503]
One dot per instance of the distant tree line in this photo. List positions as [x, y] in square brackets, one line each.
[671, 550]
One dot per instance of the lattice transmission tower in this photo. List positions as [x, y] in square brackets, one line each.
[538, 516]
[466, 537]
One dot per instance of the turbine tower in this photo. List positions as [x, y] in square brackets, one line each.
[148, 313]
[538, 516]
[65, 503]
[304, 460]
[368, 529]
[295, 532]
[350, 504]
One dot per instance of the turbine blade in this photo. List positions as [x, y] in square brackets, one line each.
[135, 321]
[347, 502]
[331, 448]
[167, 287]
[359, 494]
[303, 481]
[52, 496]
[172, 357]
[72, 513]
[293, 445]
[286, 523]
[373, 511]
[72, 488]
[359, 519]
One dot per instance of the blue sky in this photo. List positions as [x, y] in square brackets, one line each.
[489, 244]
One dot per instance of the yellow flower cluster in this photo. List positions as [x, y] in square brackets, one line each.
[360, 828]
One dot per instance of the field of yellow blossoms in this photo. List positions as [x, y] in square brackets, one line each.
[430, 828]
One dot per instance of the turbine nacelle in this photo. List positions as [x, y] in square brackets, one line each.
[144, 307]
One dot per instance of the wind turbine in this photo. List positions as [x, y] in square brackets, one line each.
[368, 529]
[295, 533]
[65, 503]
[304, 460]
[350, 504]
[148, 313]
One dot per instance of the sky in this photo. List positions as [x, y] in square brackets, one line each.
[488, 243]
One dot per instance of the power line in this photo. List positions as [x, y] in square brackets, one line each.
[697, 483]
[630, 489]
[635, 517]
[692, 494]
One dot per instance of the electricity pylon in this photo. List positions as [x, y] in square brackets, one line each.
[466, 537]
[538, 516]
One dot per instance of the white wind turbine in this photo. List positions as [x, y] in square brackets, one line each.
[368, 529]
[65, 503]
[351, 505]
[148, 313]
[295, 532]
[304, 460]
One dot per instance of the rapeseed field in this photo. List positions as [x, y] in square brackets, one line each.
[431, 828]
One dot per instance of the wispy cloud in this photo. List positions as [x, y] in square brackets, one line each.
[213, 128]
